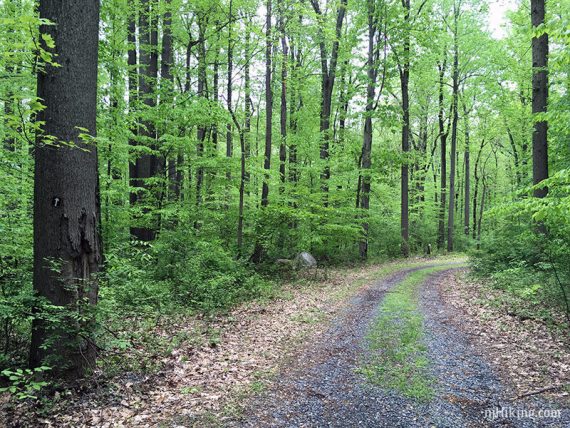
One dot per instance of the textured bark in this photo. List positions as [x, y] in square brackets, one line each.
[268, 107]
[443, 153]
[476, 190]
[421, 167]
[216, 95]
[481, 211]
[243, 177]
[244, 135]
[67, 247]
[133, 89]
[9, 102]
[248, 108]
[328, 76]
[404, 83]
[147, 165]
[258, 250]
[283, 113]
[229, 141]
[344, 100]
[516, 159]
[167, 83]
[366, 155]
[453, 154]
[539, 99]
[201, 92]
[467, 175]
[296, 101]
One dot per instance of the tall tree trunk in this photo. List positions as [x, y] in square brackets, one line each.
[242, 182]
[328, 75]
[258, 250]
[247, 99]
[9, 140]
[167, 84]
[66, 189]
[539, 99]
[453, 154]
[283, 115]
[229, 141]
[366, 156]
[132, 92]
[344, 101]
[404, 83]
[268, 107]
[467, 172]
[516, 159]
[146, 166]
[481, 210]
[244, 135]
[476, 190]
[443, 150]
[201, 132]
[216, 96]
[296, 102]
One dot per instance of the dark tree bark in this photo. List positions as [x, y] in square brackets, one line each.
[366, 155]
[268, 107]
[421, 166]
[344, 100]
[455, 112]
[296, 101]
[258, 250]
[516, 158]
[404, 83]
[467, 175]
[328, 76]
[147, 165]
[539, 99]
[191, 43]
[216, 94]
[201, 92]
[481, 210]
[476, 189]
[115, 94]
[244, 134]
[67, 247]
[133, 91]
[9, 102]
[443, 132]
[283, 115]
[229, 141]
[167, 83]
[248, 108]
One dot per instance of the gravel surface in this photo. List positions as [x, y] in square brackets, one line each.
[321, 387]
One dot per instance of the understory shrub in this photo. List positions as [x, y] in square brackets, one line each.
[528, 251]
[178, 270]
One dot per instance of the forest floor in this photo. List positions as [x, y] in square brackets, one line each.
[400, 344]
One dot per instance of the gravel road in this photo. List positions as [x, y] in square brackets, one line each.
[322, 388]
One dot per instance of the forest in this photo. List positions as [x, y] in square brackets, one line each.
[168, 164]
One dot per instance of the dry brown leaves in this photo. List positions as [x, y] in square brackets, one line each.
[529, 355]
[202, 377]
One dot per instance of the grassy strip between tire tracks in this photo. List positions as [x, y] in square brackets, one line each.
[398, 354]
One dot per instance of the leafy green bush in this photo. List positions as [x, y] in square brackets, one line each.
[128, 281]
[24, 383]
[178, 270]
[202, 274]
[528, 251]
